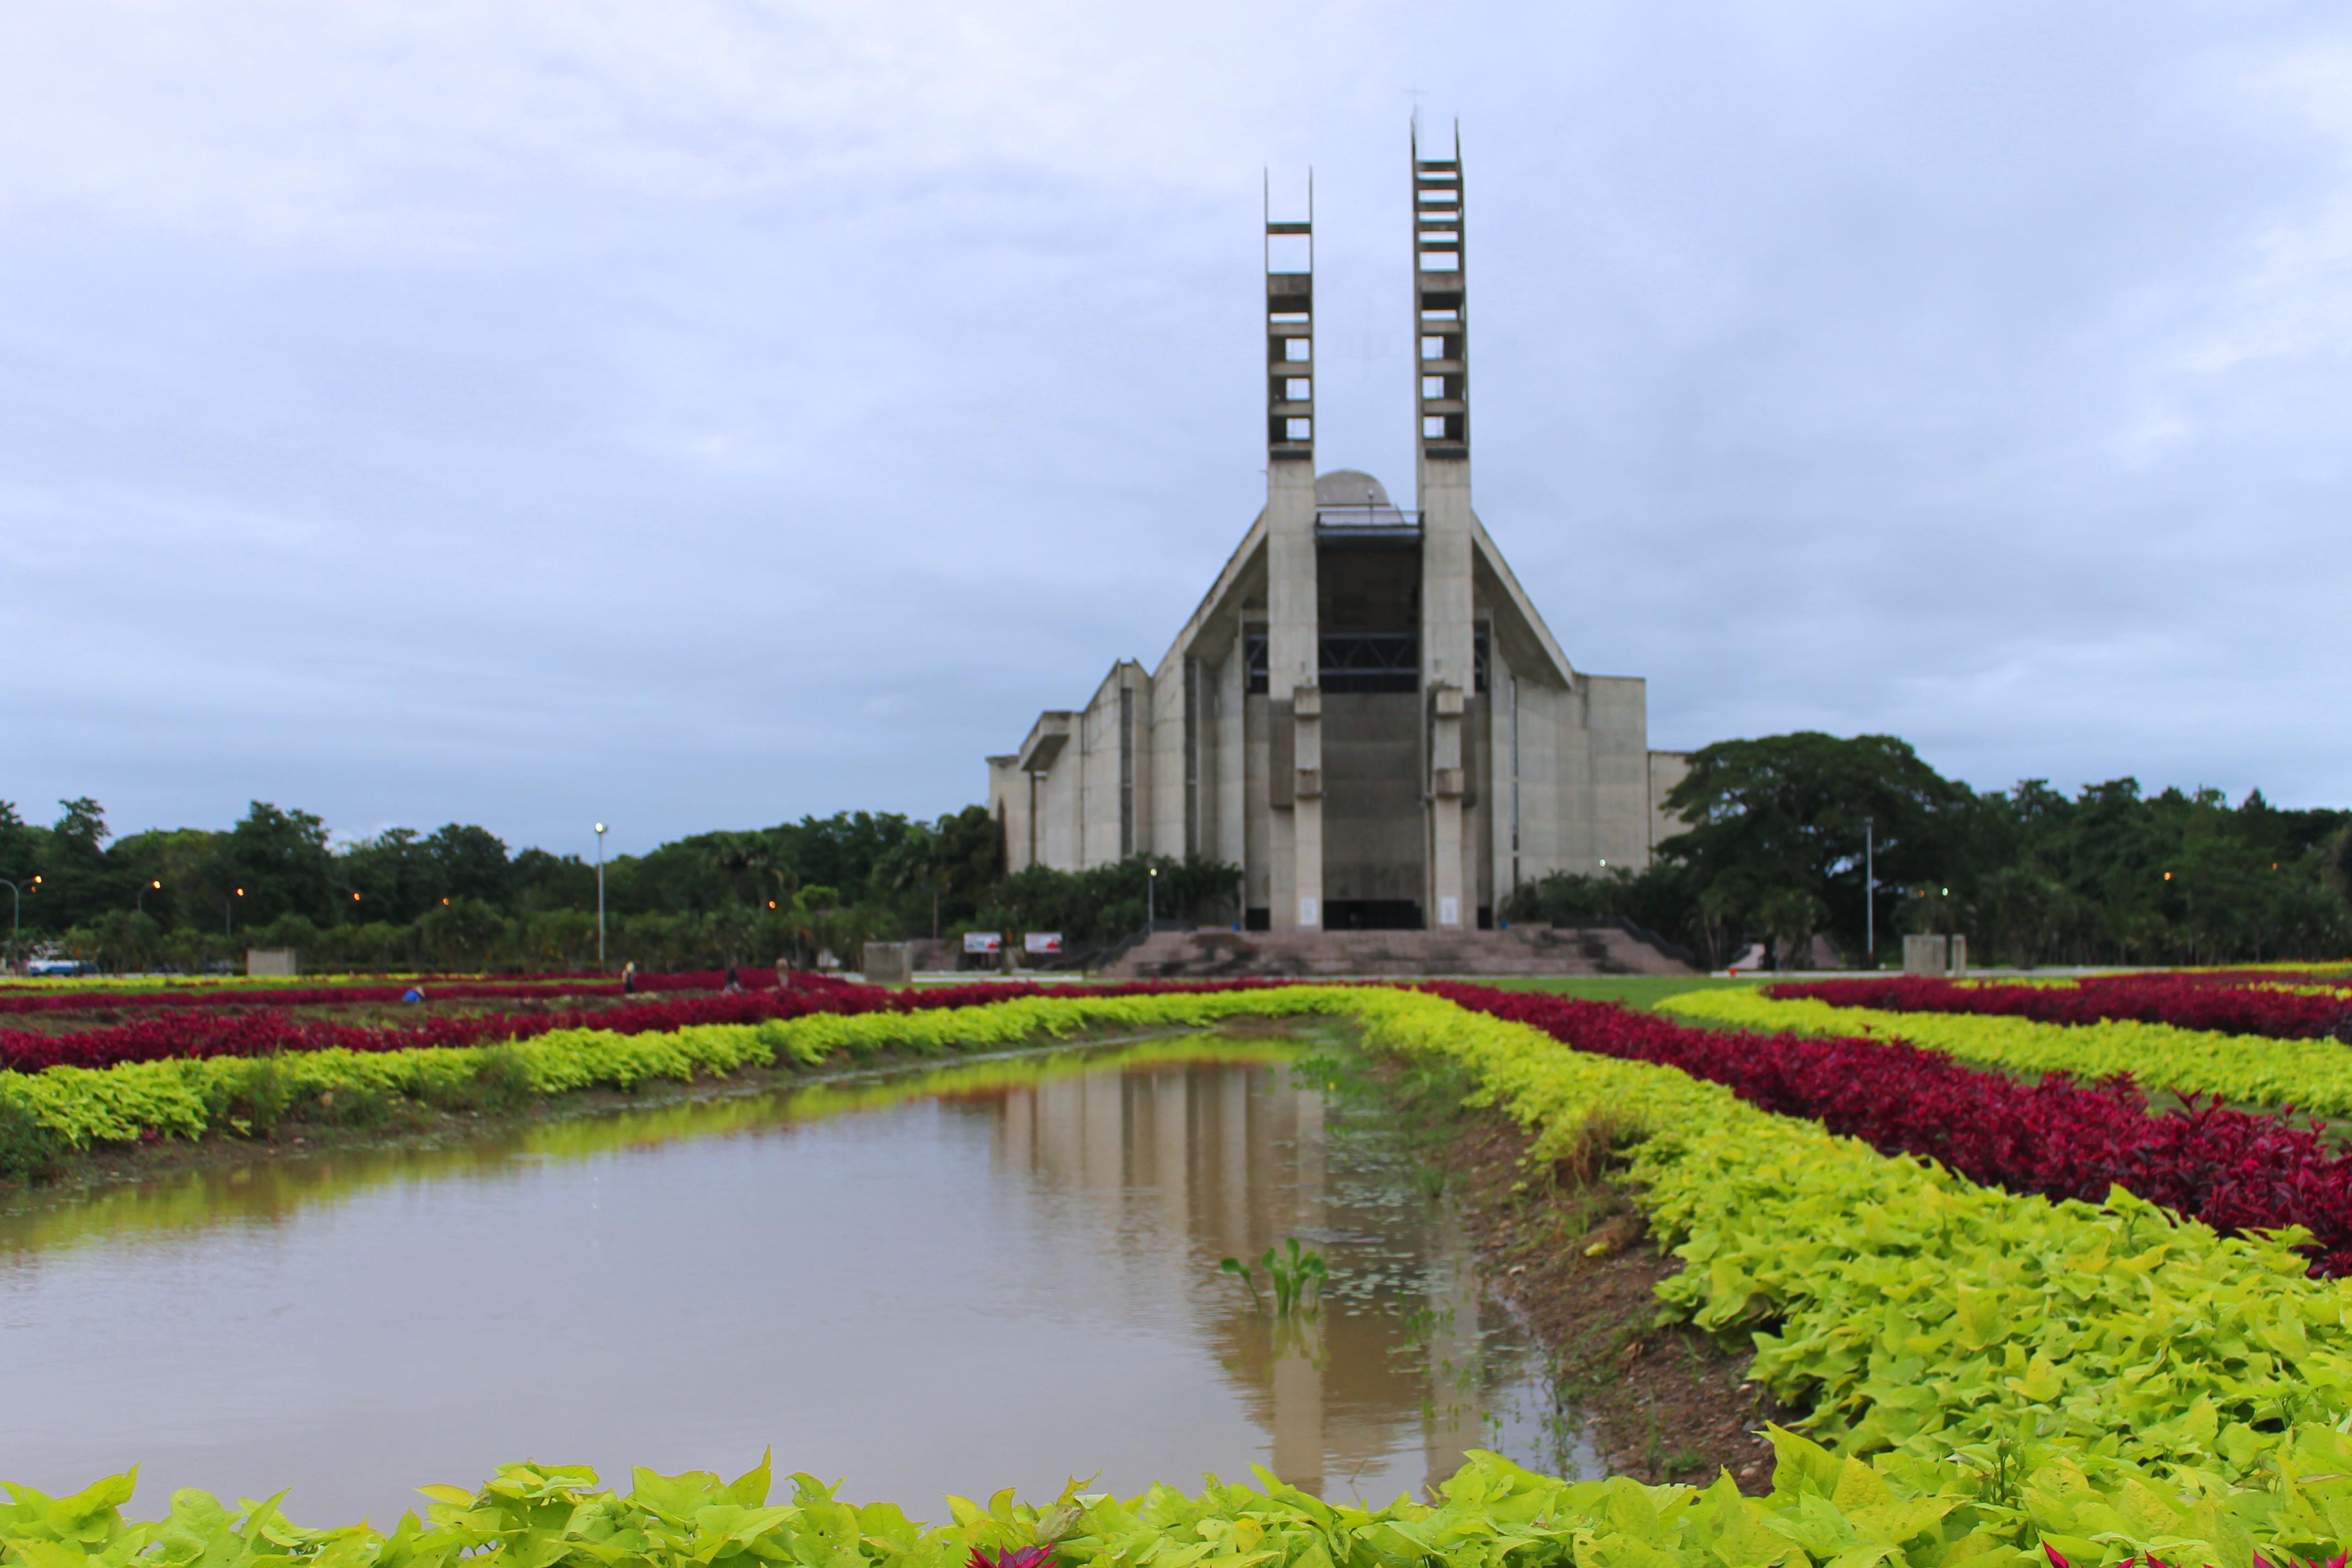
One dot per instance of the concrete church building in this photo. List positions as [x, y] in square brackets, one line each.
[1366, 712]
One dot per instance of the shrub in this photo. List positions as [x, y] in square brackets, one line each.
[29, 1151]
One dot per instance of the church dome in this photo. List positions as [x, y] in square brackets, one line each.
[1350, 487]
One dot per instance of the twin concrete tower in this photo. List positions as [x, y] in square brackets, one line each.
[1366, 713]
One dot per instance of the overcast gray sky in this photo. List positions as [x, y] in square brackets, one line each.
[696, 414]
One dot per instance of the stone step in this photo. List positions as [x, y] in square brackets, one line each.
[1523, 951]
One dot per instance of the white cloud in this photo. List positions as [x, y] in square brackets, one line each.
[707, 413]
[2297, 297]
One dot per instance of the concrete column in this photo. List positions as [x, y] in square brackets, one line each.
[1448, 675]
[1294, 641]
[1232, 839]
[1442, 404]
[1447, 881]
[1294, 662]
[1307, 814]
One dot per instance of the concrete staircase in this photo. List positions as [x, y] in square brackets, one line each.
[1524, 950]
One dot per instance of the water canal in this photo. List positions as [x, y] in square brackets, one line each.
[1000, 1273]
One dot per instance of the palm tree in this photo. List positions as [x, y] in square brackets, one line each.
[1791, 916]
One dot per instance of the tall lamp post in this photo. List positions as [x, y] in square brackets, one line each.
[600, 895]
[1152, 901]
[140, 903]
[1869, 893]
[16, 925]
[229, 915]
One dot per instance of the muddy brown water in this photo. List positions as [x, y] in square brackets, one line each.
[1000, 1273]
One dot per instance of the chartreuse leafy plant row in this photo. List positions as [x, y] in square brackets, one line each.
[2091, 1376]
[1985, 1373]
[195, 1096]
[115, 1210]
[1492, 1514]
[2248, 1069]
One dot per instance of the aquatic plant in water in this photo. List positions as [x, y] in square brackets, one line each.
[1297, 1275]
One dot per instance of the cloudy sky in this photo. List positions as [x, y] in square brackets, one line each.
[704, 413]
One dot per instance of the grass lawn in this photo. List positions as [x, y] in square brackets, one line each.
[1644, 991]
[1641, 990]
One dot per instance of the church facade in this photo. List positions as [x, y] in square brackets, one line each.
[1366, 712]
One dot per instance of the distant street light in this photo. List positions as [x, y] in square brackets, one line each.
[1152, 901]
[140, 903]
[600, 895]
[228, 916]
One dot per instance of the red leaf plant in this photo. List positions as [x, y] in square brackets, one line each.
[2228, 1004]
[1042, 1557]
[92, 1000]
[2234, 1170]
[2058, 1560]
[207, 1032]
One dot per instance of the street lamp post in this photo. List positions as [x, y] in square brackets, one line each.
[1869, 894]
[228, 916]
[1152, 901]
[16, 925]
[140, 903]
[600, 895]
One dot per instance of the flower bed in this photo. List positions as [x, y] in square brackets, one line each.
[2187, 1002]
[185, 1096]
[1491, 1513]
[2313, 1076]
[1955, 1331]
[1991, 1372]
[344, 995]
[331, 992]
[2233, 1169]
[198, 1033]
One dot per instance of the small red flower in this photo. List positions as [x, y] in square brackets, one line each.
[1026, 1557]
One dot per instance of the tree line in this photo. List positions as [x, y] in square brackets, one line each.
[456, 898]
[1774, 853]
[1782, 828]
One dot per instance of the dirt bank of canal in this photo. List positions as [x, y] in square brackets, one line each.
[1567, 1252]
[1662, 1403]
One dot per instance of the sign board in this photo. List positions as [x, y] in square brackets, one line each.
[1047, 942]
[984, 942]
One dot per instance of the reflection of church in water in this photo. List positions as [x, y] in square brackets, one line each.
[1366, 713]
[1188, 1164]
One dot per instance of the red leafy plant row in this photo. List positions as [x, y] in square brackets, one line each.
[2232, 1169]
[450, 986]
[2186, 1001]
[198, 1033]
[2152, 1561]
[438, 986]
